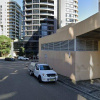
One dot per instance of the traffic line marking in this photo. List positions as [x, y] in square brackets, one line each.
[4, 78]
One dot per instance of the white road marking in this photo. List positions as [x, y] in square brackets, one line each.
[8, 95]
[16, 71]
[4, 78]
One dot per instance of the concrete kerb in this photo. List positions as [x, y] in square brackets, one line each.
[81, 86]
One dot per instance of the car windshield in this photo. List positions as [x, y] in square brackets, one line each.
[44, 67]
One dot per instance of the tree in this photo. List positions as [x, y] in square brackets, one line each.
[21, 51]
[5, 45]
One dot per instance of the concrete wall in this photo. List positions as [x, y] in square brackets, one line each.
[87, 65]
[82, 65]
[59, 61]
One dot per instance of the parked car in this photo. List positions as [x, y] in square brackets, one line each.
[43, 72]
[9, 59]
[22, 58]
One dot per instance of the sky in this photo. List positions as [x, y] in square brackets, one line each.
[86, 8]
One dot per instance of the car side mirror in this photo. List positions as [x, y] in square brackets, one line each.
[51, 68]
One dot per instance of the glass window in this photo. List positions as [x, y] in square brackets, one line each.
[44, 28]
[72, 6]
[35, 27]
[67, 5]
[44, 33]
[35, 22]
[71, 11]
[71, 20]
[37, 68]
[35, 11]
[35, 6]
[35, 1]
[67, 20]
[44, 67]
[0, 6]
[35, 16]
[29, 33]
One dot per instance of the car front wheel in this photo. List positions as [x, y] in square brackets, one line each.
[39, 78]
[30, 73]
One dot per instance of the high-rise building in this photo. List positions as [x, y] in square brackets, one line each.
[40, 19]
[22, 31]
[0, 31]
[67, 12]
[10, 18]
[99, 5]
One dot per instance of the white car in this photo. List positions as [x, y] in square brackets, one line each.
[43, 72]
[22, 58]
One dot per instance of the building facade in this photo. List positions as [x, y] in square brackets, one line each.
[99, 5]
[10, 18]
[40, 19]
[74, 50]
[67, 12]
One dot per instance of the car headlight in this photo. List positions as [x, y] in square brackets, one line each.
[44, 75]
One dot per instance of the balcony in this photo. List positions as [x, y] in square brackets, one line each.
[47, 19]
[28, 8]
[17, 22]
[76, 4]
[28, 30]
[76, 9]
[76, 1]
[11, 27]
[11, 7]
[11, 21]
[10, 30]
[46, 3]
[10, 14]
[17, 25]
[28, 19]
[28, 13]
[46, 13]
[11, 11]
[17, 29]
[50, 24]
[30, 24]
[45, 8]
[28, 3]
[17, 33]
[10, 3]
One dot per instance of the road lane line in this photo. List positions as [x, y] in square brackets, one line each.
[16, 71]
[4, 78]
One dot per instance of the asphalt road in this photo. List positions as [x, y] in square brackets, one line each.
[16, 84]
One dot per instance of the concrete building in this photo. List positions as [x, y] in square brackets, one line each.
[67, 12]
[74, 51]
[22, 25]
[10, 18]
[0, 31]
[40, 19]
[99, 4]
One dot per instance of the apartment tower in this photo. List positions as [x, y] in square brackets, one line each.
[10, 19]
[68, 12]
[40, 19]
[99, 5]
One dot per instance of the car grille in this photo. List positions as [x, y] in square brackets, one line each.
[51, 75]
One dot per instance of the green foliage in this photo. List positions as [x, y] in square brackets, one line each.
[21, 51]
[10, 56]
[5, 45]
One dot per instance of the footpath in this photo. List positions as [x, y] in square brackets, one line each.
[2, 58]
[90, 88]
